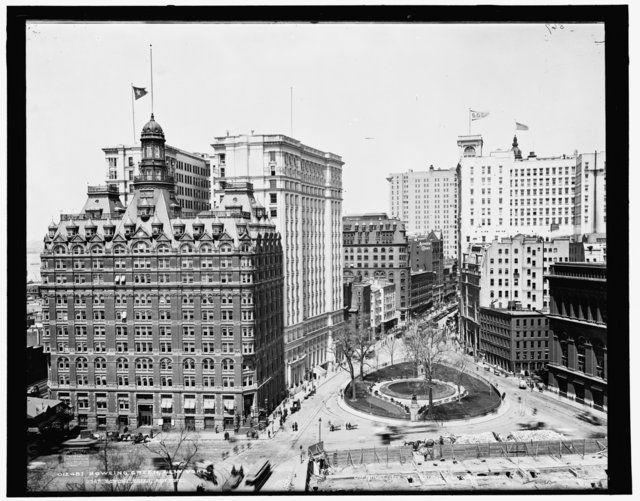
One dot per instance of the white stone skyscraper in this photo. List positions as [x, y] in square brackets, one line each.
[427, 201]
[302, 190]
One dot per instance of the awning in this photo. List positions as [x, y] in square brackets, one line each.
[209, 403]
[229, 403]
[189, 403]
[319, 371]
[168, 402]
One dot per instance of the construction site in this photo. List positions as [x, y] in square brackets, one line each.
[510, 465]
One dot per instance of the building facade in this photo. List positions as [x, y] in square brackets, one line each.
[357, 307]
[427, 201]
[469, 304]
[514, 339]
[159, 318]
[590, 214]
[191, 174]
[376, 246]
[578, 321]
[514, 269]
[384, 314]
[302, 189]
[422, 287]
[506, 193]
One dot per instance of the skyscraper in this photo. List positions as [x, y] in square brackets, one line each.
[427, 201]
[302, 188]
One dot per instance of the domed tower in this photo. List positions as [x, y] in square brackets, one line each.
[152, 164]
[514, 147]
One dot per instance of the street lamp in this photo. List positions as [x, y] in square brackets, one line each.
[319, 430]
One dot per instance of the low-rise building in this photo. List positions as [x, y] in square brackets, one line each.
[357, 297]
[578, 321]
[515, 339]
[422, 286]
[384, 314]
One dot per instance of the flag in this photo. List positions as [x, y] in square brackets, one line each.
[477, 115]
[139, 92]
[520, 126]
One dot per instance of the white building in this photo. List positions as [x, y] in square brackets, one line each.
[191, 173]
[513, 269]
[383, 304]
[302, 188]
[591, 193]
[427, 201]
[505, 193]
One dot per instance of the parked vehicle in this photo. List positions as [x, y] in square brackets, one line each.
[205, 471]
[522, 384]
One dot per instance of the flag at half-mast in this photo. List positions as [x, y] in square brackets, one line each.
[477, 115]
[520, 126]
[139, 92]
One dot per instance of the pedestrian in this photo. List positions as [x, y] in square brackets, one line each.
[269, 433]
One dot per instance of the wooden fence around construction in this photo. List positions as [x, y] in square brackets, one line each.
[402, 454]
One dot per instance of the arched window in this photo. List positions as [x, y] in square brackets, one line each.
[189, 365]
[186, 249]
[63, 364]
[78, 249]
[166, 365]
[227, 364]
[207, 365]
[119, 249]
[60, 249]
[245, 248]
[225, 249]
[82, 364]
[164, 249]
[140, 248]
[206, 248]
[122, 364]
[100, 364]
[97, 249]
[144, 364]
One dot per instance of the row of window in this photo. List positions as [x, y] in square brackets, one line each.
[144, 248]
[147, 347]
[146, 364]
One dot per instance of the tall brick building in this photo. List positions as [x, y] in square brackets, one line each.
[158, 318]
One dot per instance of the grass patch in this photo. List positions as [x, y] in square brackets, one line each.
[365, 402]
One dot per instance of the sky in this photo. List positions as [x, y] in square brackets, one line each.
[386, 97]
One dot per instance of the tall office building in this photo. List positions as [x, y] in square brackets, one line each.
[191, 175]
[506, 193]
[427, 201]
[155, 317]
[375, 246]
[302, 188]
[591, 194]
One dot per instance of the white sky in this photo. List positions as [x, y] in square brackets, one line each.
[407, 86]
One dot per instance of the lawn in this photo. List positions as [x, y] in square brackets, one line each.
[479, 400]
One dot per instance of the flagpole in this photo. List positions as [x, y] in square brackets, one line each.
[291, 108]
[469, 121]
[133, 115]
[151, 65]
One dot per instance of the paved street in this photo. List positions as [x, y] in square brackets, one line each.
[284, 448]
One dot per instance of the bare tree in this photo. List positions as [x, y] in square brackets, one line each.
[460, 363]
[119, 470]
[364, 347]
[426, 345]
[344, 351]
[390, 345]
[176, 451]
[38, 479]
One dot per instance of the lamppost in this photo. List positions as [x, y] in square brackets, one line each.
[319, 430]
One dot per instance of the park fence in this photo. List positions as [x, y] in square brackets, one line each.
[404, 454]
